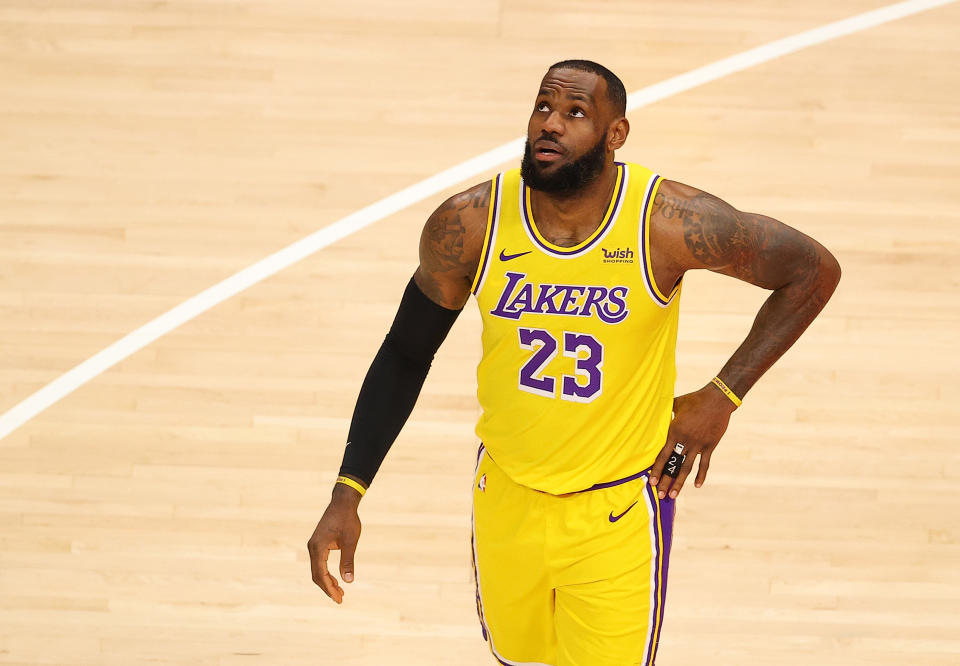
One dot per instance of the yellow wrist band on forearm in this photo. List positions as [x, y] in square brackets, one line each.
[726, 391]
[347, 481]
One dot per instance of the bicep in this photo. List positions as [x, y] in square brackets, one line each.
[748, 246]
[450, 247]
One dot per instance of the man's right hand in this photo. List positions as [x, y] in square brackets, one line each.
[338, 529]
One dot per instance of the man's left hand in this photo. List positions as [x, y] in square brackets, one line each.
[699, 421]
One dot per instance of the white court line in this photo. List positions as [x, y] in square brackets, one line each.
[141, 337]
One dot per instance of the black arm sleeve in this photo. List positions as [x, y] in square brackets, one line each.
[394, 380]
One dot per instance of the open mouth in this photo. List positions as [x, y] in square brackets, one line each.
[547, 151]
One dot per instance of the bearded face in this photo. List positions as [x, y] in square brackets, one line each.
[566, 179]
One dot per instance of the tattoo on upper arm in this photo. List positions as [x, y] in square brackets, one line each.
[446, 263]
[714, 232]
[752, 247]
[444, 236]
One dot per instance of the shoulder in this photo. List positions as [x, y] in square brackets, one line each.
[453, 235]
[451, 243]
[462, 218]
[677, 203]
[696, 228]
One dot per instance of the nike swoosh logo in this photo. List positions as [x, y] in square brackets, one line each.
[614, 519]
[507, 257]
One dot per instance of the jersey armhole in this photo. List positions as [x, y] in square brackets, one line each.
[646, 213]
[489, 236]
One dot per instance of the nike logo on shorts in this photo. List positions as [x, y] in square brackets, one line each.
[507, 257]
[614, 519]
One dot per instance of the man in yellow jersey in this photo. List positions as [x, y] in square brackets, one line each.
[576, 262]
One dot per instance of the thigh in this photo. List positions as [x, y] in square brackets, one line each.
[615, 620]
[514, 594]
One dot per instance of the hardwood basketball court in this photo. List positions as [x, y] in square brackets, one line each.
[159, 514]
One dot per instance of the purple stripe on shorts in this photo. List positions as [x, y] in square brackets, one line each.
[473, 554]
[656, 611]
[664, 511]
[476, 575]
[668, 509]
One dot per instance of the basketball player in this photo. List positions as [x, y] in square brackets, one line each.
[577, 263]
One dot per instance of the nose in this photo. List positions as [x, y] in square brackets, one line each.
[553, 123]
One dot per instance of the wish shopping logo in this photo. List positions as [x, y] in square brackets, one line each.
[617, 256]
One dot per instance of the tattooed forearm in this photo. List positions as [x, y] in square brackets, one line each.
[784, 316]
[803, 275]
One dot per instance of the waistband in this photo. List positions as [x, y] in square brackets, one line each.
[610, 484]
[596, 486]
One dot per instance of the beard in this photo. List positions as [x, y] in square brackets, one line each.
[569, 179]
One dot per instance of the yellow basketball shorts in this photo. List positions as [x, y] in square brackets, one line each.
[570, 580]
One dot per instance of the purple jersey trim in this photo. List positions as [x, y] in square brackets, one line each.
[491, 232]
[614, 212]
[647, 270]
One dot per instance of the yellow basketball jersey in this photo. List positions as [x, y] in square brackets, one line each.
[577, 376]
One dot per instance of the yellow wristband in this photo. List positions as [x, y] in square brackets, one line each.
[726, 391]
[347, 481]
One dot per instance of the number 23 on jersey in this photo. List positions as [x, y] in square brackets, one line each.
[583, 386]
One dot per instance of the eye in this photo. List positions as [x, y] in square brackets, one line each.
[577, 113]
[543, 107]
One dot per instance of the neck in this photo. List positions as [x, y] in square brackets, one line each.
[569, 220]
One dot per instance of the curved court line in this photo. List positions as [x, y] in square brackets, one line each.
[192, 307]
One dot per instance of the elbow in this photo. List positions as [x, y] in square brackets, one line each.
[830, 270]
[825, 278]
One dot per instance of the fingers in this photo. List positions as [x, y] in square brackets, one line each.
[328, 582]
[702, 469]
[699, 424]
[656, 471]
[321, 575]
[674, 488]
[346, 561]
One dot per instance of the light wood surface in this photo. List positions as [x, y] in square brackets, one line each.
[160, 514]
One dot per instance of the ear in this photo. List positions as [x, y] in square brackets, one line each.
[617, 133]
